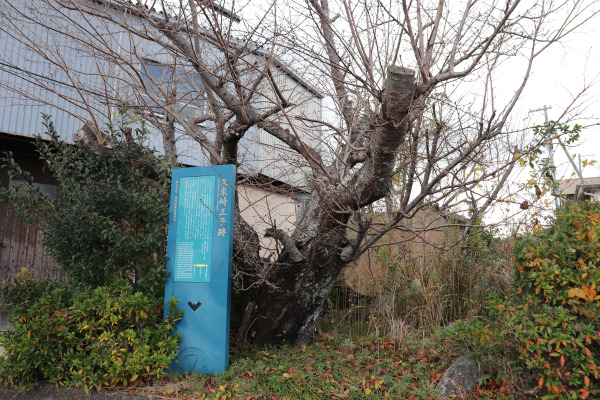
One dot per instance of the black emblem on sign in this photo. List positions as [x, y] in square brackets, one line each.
[194, 306]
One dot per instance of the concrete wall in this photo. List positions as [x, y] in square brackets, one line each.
[267, 208]
[400, 254]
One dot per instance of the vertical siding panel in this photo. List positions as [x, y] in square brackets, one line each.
[48, 268]
[31, 246]
[7, 243]
[19, 241]
[14, 245]
[4, 241]
[38, 263]
[39, 273]
[39, 254]
[21, 115]
[23, 243]
[276, 159]
[51, 271]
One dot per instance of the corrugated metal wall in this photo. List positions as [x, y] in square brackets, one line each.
[275, 158]
[31, 84]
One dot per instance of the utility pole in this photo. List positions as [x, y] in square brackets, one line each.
[577, 170]
[550, 150]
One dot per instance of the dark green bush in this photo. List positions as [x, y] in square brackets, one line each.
[109, 219]
[108, 336]
[551, 316]
[24, 289]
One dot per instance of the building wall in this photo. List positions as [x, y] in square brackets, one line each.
[20, 244]
[276, 159]
[569, 186]
[30, 85]
[20, 247]
[263, 208]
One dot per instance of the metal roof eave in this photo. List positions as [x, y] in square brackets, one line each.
[279, 64]
[581, 188]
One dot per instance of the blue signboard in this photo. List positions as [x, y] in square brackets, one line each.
[199, 255]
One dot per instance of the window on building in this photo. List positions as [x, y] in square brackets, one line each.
[300, 200]
[19, 188]
[163, 80]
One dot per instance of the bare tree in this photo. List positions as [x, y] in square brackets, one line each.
[404, 124]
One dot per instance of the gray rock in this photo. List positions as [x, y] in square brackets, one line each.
[459, 379]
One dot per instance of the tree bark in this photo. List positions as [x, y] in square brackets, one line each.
[290, 313]
[289, 309]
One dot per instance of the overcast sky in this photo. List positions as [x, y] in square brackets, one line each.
[560, 75]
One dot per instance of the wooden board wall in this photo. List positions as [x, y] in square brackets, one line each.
[20, 246]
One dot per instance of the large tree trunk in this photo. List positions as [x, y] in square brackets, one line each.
[291, 313]
[288, 308]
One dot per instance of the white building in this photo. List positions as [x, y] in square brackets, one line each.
[78, 68]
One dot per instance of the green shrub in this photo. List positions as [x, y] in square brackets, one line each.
[106, 337]
[552, 312]
[24, 289]
[109, 219]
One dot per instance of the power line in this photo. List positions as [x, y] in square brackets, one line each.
[33, 74]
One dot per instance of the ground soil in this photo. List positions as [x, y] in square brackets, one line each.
[47, 391]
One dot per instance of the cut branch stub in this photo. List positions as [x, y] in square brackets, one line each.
[397, 100]
[399, 87]
[373, 180]
[287, 241]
